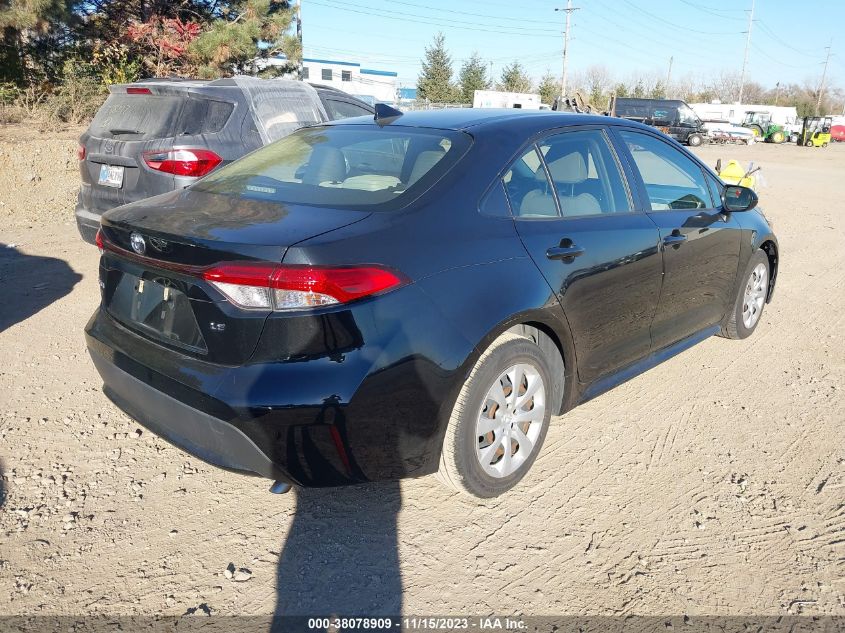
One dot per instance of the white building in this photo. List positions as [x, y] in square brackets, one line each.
[374, 86]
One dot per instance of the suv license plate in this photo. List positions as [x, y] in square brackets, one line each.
[111, 176]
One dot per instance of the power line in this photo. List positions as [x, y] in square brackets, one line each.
[407, 17]
[672, 24]
[712, 11]
[772, 34]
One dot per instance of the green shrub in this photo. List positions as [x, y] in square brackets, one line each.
[77, 99]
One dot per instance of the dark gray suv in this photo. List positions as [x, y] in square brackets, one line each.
[158, 135]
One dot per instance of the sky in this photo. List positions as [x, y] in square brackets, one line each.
[628, 37]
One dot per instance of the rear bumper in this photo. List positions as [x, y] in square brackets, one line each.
[370, 411]
[88, 224]
[198, 433]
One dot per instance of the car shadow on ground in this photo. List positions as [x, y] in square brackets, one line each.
[341, 554]
[30, 283]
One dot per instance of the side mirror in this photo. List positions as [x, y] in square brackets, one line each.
[736, 198]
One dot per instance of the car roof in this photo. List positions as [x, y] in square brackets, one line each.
[491, 118]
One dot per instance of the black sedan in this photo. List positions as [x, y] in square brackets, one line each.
[411, 294]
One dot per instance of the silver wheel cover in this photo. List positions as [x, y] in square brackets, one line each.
[755, 295]
[510, 420]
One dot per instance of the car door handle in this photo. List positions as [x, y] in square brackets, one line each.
[675, 239]
[566, 251]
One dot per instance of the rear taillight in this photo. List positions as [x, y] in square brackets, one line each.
[80, 152]
[99, 241]
[138, 91]
[295, 287]
[183, 162]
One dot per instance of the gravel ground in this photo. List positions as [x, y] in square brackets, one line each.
[712, 484]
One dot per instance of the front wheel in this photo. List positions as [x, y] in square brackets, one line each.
[499, 420]
[694, 140]
[751, 298]
[777, 137]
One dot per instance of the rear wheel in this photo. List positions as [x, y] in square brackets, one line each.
[499, 420]
[751, 298]
[793, 138]
[756, 130]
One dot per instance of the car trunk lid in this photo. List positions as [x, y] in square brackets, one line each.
[155, 252]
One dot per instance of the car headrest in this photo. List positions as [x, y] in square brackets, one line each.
[326, 164]
[425, 161]
[570, 169]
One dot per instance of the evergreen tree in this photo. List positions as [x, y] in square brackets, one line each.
[473, 76]
[621, 90]
[249, 29]
[549, 88]
[658, 91]
[514, 79]
[435, 80]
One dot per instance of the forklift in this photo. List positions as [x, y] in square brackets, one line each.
[816, 131]
[760, 123]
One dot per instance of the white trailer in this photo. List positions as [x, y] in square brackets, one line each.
[735, 112]
[500, 99]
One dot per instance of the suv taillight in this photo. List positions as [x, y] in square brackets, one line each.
[183, 162]
[80, 152]
[296, 287]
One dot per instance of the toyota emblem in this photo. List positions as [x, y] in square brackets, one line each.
[136, 240]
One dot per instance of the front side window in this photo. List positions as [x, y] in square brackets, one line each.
[327, 74]
[672, 180]
[585, 173]
[530, 193]
[348, 166]
[688, 117]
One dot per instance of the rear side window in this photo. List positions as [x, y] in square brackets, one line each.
[203, 116]
[344, 109]
[348, 166]
[530, 193]
[136, 117]
[585, 173]
[672, 180]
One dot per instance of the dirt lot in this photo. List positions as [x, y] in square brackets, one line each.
[713, 484]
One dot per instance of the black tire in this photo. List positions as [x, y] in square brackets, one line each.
[793, 138]
[460, 467]
[694, 140]
[808, 143]
[736, 327]
[758, 131]
[777, 137]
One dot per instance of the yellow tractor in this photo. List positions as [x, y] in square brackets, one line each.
[816, 131]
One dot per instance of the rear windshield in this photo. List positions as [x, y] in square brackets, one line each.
[138, 117]
[349, 166]
[141, 117]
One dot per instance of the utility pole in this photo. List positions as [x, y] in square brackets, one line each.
[747, 46]
[824, 76]
[569, 9]
[669, 76]
[777, 93]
